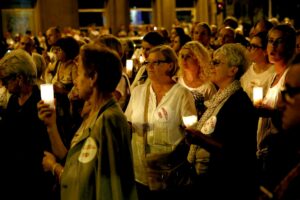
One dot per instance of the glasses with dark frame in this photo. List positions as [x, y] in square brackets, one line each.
[155, 63]
[288, 92]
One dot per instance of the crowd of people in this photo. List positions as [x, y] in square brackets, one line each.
[117, 132]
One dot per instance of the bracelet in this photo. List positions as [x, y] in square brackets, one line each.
[59, 177]
[54, 167]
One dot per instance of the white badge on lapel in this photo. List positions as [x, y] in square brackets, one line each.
[88, 151]
[209, 125]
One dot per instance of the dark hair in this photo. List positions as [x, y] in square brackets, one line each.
[154, 38]
[205, 26]
[179, 30]
[184, 39]
[69, 45]
[264, 39]
[231, 22]
[103, 61]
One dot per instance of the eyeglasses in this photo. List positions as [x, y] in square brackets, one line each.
[155, 63]
[6, 79]
[216, 63]
[254, 46]
[289, 92]
[276, 42]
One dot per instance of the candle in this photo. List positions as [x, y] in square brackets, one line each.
[190, 120]
[47, 94]
[129, 67]
[257, 95]
[141, 59]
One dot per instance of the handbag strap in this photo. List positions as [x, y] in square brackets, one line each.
[145, 125]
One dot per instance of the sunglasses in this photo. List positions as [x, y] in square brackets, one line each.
[155, 63]
[289, 92]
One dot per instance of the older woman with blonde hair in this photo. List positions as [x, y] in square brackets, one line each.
[155, 110]
[194, 72]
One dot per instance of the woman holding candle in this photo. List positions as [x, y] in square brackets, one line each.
[281, 49]
[98, 164]
[224, 140]
[261, 71]
[155, 111]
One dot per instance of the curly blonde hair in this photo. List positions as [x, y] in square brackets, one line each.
[203, 58]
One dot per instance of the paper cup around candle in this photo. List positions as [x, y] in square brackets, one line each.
[47, 94]
[257, 95]
[190, 120]
[129, 67]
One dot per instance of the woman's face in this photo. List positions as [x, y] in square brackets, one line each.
[82, 82]
[256, 52]
[201, 34]
[146, 47]
[176, 44]
[157, 67]
[61, 56]
[220, 72]
[276, 46]
[188, 61]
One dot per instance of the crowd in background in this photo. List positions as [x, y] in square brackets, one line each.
[117, 128]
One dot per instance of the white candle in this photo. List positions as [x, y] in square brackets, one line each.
[257, 95]
[129, 67]
[141, 59]
[47, 94]
[190, 120]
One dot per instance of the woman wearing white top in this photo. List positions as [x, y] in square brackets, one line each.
[261, 71]
[155, 111]
[281, 49]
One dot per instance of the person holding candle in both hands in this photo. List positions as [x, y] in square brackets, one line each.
[98, 164]
[224, 140]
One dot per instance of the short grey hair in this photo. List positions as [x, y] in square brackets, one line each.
[235, 54]
[18, 62]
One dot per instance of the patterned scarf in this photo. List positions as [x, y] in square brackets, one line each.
[213, 106]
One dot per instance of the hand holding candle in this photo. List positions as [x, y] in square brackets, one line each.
[47, 94]
[190, 121]
[257, 95]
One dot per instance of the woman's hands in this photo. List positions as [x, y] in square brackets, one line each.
[49, 161]
[46, 113]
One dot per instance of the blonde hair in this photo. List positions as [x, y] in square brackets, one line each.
[201, 54]
[169, 55]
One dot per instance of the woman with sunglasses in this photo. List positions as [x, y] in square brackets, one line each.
[224, 139]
